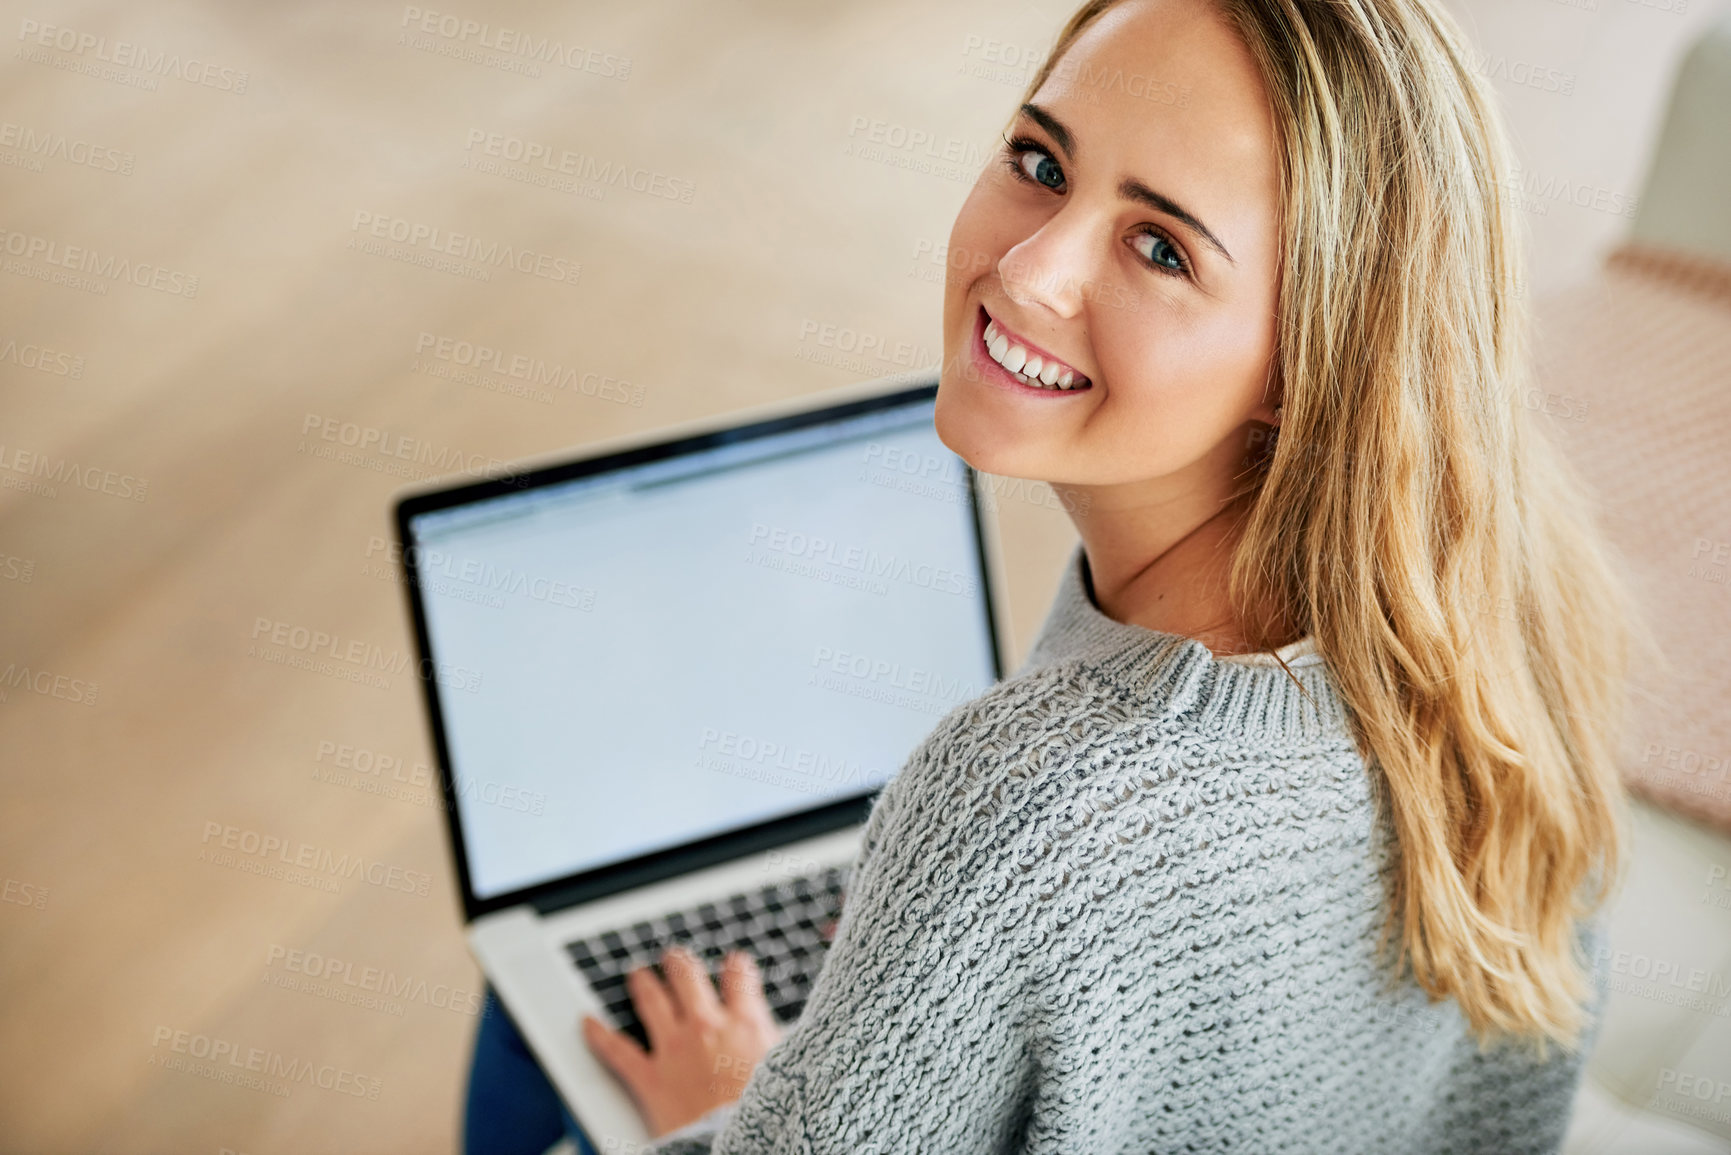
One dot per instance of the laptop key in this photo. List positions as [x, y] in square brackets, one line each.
[636, 1030]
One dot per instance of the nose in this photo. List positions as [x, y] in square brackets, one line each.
[1051, 269]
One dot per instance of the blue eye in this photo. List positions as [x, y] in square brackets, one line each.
[1029, 161]
[1159, 251]
[1041, 169]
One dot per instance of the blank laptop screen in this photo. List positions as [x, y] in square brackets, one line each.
[641, 658]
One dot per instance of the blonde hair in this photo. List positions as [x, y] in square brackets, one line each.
[1438, 548]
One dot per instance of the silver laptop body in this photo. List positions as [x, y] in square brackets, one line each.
[666, 678]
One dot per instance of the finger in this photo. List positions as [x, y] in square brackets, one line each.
[619, 1051]
[653, 1004]
[691, 986]
[742, 987]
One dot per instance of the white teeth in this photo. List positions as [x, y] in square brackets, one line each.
[1028, 368]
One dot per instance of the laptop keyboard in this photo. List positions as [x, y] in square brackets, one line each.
[786, 927]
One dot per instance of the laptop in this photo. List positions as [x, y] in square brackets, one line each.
[665, 679]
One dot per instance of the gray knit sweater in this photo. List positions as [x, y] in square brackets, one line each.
[1127, 900]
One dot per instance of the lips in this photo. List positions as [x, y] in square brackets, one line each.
[1026, 362]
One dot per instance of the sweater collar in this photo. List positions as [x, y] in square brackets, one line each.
[1181, 675]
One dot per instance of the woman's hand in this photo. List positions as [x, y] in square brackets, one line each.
[701, 1049]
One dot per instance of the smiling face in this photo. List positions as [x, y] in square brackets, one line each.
[1125, 240]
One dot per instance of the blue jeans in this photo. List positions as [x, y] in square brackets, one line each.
[511, 1108]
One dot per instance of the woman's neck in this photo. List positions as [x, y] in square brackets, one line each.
[1163, 565]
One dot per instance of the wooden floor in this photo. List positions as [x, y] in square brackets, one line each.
[264, 198]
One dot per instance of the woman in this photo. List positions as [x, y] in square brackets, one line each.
[1287, 834]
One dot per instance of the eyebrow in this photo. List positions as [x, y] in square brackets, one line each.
[1129, 188]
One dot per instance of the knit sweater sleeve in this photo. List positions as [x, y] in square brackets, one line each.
[913, 1038]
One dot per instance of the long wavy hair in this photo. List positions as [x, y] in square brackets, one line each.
[1410, 518]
